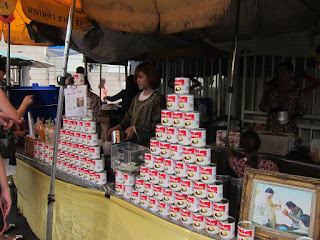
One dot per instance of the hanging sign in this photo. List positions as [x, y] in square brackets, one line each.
[76, 101]
[7, 7]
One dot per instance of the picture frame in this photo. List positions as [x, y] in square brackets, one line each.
[267, 199]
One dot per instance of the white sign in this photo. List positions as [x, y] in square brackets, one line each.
[76, 101]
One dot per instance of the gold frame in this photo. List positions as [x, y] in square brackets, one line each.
[304, 183]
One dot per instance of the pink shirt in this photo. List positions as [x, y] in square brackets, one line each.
[238, 165]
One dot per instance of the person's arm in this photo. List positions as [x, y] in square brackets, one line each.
[27, 101]
[6, 106]
[268, 165]
[4, 188]
[296, 217]
[116, 97]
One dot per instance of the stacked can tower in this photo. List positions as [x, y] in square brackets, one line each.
[78, 150]
[178, 178]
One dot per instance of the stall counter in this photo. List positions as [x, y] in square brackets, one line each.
[82, 213]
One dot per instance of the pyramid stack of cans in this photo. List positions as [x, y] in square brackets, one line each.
[78, 152]
[178, 179]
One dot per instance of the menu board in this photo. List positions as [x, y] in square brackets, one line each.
[76, 101]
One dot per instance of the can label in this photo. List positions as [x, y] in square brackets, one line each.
[127, 192]
[164, 208]
[158, 163]
[172, 135]
[175, 183]
[176, 151]
[221, 210]
[168, 196]
[208, 174]
[180, 200]
[154, 178]
[153, 204]
[119, 176]
[200, 189]
[227, 229]
[181, 169]
[144, 200]
[157, 192]
[203, 156]
[198, 221]
[186, 102]
[186, 216]
[135, 196]
[193, 203]
[129, 179]
[198, 137]
[161, 133]
[165, 149]
[148, 188]
[212, 225]
[182, 85]
[184, 136]
[175, 212]
[90, 127]
[193, 172]
[164, 180]
[178, 119]
[192, 120]
[139, 185]
[119, 188]
[205, 207]
[244, 232]
[166, 118]
[148, 159]
[172, 102]
[215, 191]
[169, 166]
[155, 146]
[188, 154]
[187, 186]
[144, 173]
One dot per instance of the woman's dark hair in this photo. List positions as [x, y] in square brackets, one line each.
[102, 83]
[150, 71]
[80, 70]
[131, 84]
[250, 142]
[69, 76]
[290, 204]
[269, 190]
[305, 219]
[288, 65]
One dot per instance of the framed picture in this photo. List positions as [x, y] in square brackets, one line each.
[281, 206]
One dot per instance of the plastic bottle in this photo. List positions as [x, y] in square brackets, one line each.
[40, 131]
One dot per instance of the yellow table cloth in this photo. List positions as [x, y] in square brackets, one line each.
[80, 213]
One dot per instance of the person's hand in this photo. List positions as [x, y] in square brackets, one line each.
[19, 134]
[129, 132]
[113, 129]
[7, 120]
[6, 201]
[28, 100]
[285, 212]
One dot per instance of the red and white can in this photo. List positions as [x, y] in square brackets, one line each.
[119, 176]
[180, 200]
[193, 203]
[155, 146]
[144, 173]
[94, 152]
[198, 221]
[144, 200]
[78, 137]
[75, 147]
[139, 185]
[129, 179]
[161, 132]
[192, 120]
[83, 138]
[203, 156]
[148, 188]
[187, 186]
[148, 160]
[135, 197]
[166, 118]
[176, 151]
[77, 160]
[172, 102]
[221, 137]
[245, 230]
[165, 149]
[90, 127]
[80, 149]
[175, 183]
[67, 135]
[205, 207]
[181, 85]
[119, 188]
[188, 154]
[193, 172]
[221, 209]
[65, 123]
[200, 189]
[184, 136]
[169, 166]
[164, 180]
[154, 177]
[186, 102]
[172, 135]
[212, 225]
[164, 208]
[178, 119]
[186, 216]
[208, 173]
[92, 139]
[158, 163]
[158, 192]
[181, 169]
[215, 191]
[81, 126]
[168, 196]
[198, 137]
[153, 204]
[227, 228]
[175, 212]
[127, 192]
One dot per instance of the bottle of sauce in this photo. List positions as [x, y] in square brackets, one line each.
[40, 131]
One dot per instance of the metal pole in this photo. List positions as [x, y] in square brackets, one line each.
[230, 89]
[8, 62]
[100, 79]
[51, 196]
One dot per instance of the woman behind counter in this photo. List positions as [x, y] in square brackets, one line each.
[145, 110]
[283, 95]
